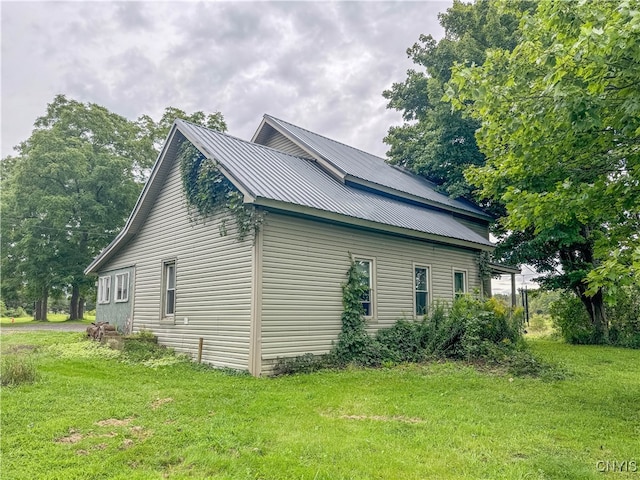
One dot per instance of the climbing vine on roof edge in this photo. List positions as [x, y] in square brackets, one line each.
[209, 191]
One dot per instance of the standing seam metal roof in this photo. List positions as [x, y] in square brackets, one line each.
[275, 175]
[371, 168]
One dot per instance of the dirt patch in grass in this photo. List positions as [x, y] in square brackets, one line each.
[127, 443]
[74, 437]
[159, 402]
[114, 422]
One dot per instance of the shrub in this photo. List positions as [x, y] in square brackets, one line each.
[572, 319]
[403, 342]
[624, 317]
[17, 370]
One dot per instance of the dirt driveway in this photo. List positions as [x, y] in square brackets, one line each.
[56, 327]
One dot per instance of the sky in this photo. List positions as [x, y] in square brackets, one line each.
[322, 66]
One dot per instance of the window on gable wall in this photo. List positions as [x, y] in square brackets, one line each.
[364, 266]
[104, 289]
[421, 290]
[122, 287]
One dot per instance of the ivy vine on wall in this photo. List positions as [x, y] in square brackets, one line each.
[209, 192]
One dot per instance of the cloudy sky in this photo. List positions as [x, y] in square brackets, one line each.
[322, 66]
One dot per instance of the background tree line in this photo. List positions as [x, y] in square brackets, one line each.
[67, 193]
[533, 110]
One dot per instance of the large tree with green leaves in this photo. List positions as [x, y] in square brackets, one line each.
[69, 191]
[435, 141]
[560, 127]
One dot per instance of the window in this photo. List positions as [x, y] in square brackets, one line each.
[459, 282]
[421, 290]
[122, 287]
[364, 267]
[169, 282]
[104, 289]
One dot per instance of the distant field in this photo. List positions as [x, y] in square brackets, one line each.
[90, 417]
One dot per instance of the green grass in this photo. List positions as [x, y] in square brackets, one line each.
[51, 318]
[89, 417]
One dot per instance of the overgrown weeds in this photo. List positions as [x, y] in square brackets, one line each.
[17, 369]
[472, 330]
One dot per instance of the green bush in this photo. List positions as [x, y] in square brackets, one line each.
[624, 317]
[572, 320]
[143, 346]
[17, 370]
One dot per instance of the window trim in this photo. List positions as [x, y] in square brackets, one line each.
[415, 291]
[118, 276]
[103, 281]
[372, 283]
[164, 286]
[465, 281]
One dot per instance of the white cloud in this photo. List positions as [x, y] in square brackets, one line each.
[322, 66]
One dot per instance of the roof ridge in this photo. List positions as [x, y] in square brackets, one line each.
[434, 186]
[326, 138]
[248, 142]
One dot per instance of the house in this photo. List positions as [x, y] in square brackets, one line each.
[244, 302]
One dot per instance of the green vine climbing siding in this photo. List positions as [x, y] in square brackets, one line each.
[209, 191]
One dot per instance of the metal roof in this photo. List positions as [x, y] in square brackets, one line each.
[370, 168]
[267, 173]
[278, 180]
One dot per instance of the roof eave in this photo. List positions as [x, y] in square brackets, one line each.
[367, 224]
[414, 198]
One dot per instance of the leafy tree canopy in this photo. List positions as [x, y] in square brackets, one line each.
[69, 191]
[560, 127]
[436, 141]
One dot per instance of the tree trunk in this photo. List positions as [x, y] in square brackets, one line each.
[81, 308]
[595, 307]
[42, 306]
[74, 311]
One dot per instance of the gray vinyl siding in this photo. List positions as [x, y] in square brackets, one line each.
[213, 280]
[280, 142]
[479, 227]
[117, 313]
[304, 263]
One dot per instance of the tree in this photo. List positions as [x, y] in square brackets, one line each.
[69, 191]
[157, 131]
[560, 129]
[436, 141]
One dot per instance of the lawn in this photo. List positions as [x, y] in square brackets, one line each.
[90, 418]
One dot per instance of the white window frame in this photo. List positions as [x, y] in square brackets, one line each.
[104, 289]
[465, 278]
[166, 265]
[415, 290]
[372, 283]
[121, 287]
